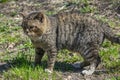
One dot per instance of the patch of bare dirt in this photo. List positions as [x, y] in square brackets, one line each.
[78, 76]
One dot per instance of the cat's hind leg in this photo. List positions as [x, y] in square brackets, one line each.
[92, 67]
[90, 71]
[90, 54]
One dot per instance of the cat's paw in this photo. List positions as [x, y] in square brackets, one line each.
[48, 71]
[87, 72]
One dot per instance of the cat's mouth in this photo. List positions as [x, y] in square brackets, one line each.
[31, 36]
[34, 38]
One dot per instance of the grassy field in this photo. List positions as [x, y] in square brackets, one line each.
[17, 54]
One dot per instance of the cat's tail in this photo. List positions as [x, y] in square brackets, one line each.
[110, 35]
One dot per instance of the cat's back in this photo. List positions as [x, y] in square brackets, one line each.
[76, 18]
[75, 28]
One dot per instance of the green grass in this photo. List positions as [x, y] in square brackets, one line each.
[2, 1]
[21, 56]
[111, 22]
[110, 55]
[22, 69]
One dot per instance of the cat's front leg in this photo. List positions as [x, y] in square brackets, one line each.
[39, 52]
[51, 59]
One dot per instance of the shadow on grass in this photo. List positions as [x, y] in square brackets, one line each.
[4, 67]
[23, 61]
[64, 67]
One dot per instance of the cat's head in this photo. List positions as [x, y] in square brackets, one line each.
[34, 24]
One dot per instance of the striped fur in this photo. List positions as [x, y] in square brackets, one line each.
[73, 31]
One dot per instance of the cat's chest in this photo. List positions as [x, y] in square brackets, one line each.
[40, 43]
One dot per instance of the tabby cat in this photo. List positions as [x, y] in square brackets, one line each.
[69, 30]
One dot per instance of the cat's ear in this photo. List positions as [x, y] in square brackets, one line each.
[40, 16]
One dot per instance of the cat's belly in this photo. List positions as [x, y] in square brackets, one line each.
[76, 42]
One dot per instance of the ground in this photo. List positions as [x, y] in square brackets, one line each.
[17, 52]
